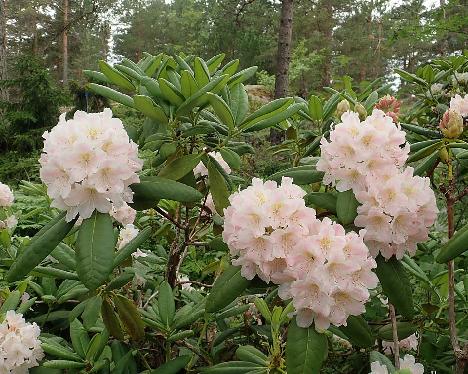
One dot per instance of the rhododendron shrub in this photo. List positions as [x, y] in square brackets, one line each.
[159, 245]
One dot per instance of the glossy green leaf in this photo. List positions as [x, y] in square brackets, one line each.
[11, 302]
[234, 367]
[110, 319]
[277, 118]
[214, 62]
[325, 200]
[346, 207]
[358, 332]
[180, 166]
[79, 337]
[91, 313]
[306, 349]
[251, 354]
[227, 287]
[201, 71]
[315, 108]
[455, 246]
[242, 76]
[427, 164]
[396, 285]
[404, 330]
[301, 175]
[95, 250]
[173, 366]
[231, 157]
[114, 76]
[110, 94]
[166, 304]
[147, 106]
[222, 110]
[218, 187]
[239, 102]
[63, 364]
[170, 92]
[130, 317]
[40, 246]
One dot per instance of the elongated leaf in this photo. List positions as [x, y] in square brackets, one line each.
[79, 337]
[242, 76]
[95, 250]
[396, 285]
[427, 164]
[54, 273]
[455, 246]
[227, 287]
[234, 367]
[222, 110]
[170, 92]
[404, 329]
[131, 247]
[251, 354]
[91, 313]
[306, 350]
[130, 317]
[40, 246]
[180, 167]
[65, 255]
[60, 352]
[110, 94]
[188, 85]
[315, 108]
[346, 207]
[96, 76]
[214, 62]
[384, 360]
[231, 157]
[151, 189]
[358, 332]
[219, 189]
[421, 130]
[166, 304]
[111, 321]
[424, 152]
[174, 366]
[115, 76]
[202, 72]
[11, 302]
[147, 106]
[239, 102]
[231, 67]
[325, 200]
[300, 175]
[63, 364]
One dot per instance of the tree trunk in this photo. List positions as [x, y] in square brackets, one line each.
[283, 59]
[3, 56]
[327, 30]
[65, 44]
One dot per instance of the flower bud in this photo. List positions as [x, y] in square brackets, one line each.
[342, 107]
[451, 124]
[390, 106]
[443, 155]
[359, 109]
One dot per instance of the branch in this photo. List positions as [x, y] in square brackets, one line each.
[169, 217]
[396, 346]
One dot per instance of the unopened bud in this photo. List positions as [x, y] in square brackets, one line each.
[390, 106]
[451, 124]
[359, 109]
[342, 107]
[443, 155]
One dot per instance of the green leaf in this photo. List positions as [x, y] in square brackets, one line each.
[115, 77]
[231, 67]
[79, 337]
[358, 332]
[235, 367]
[153, 65]
[395, 284]
[166, 304]
[214, 62]
[404, 330]
[63, 364]
[181, 335]
[420, 145]
[173, 366]
[267, 111]
[219, 189]
[110, 94]
[40, 246]
[126, 276]
[242, 76]
[273, 120]
[424, 152]
[130, 317]
[188, 85]
[151, 189]
[170, 92]
[384, 360]
[325, 200]
[231, 157]
[131, 247]
[455, 246]
[251, 354]
[222, 110]
[91, 313]
[60, 351]
[147, 106]
[346, 207]
[11, 302]
[202, 72]
[53, 273]
[180, 167]
[306, 350]
[111, 321]
[300, 174]
[239, 102]
[227, 287]
[427, 164]
[315, 108]
[65, 256]
[421, 130]
[96, 76]
[95, 250]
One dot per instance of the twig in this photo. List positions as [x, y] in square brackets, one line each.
[196, 282]
[168, 217]
[396, 346]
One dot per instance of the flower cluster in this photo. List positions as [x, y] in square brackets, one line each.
[124, 214]
[126, 235]
[409, 343]
[368, 157]
[7, 220]
[201, 169]
[325, 271]
[20, 347]
[88, 163]
[408, 363]
[460, 104]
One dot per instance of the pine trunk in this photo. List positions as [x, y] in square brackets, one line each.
[283, 59]
[65, 44]
[3, 55]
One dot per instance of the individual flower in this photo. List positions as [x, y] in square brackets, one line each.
[378, 368]
[324, 270]
[126, 235]
[124, 214]
[460, 104]
[390, 106]
[409, 343]
[201, 169]
[20, 347]
[409, 363]
[6, 196]
[88, 163]
[9, 223]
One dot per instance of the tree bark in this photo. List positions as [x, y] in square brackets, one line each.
[283, 59]
[327, 31]
[65, 43]
[3, 55]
